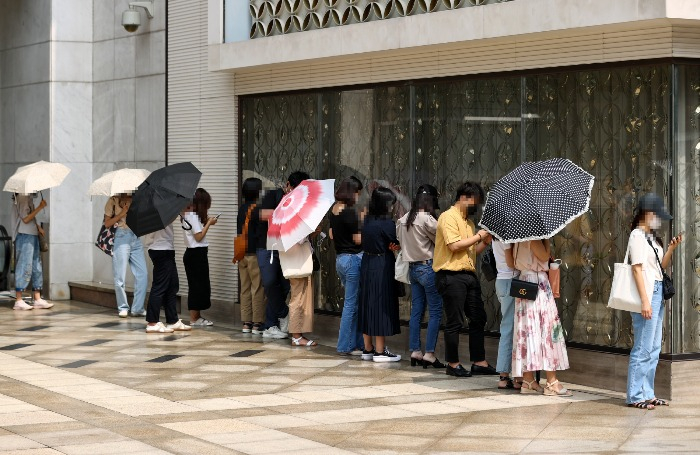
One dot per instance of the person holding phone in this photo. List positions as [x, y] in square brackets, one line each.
[195, 224]
[646, 251]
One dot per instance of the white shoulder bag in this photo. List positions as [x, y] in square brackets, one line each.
[297, 261]
[624, 294]
[401, 269]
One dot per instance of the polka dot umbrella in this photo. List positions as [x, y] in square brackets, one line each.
[537, 200]
[299, 213]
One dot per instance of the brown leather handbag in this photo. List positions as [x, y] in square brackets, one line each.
[240, 243]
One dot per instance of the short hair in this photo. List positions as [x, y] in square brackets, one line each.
[381, 202]
[347, 190]
[251, 189]
[296, 177]
[470, 189]
[426, 200]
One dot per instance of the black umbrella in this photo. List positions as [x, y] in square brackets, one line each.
[537, 200]
[161, 197]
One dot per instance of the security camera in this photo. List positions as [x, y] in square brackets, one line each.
[131, 18]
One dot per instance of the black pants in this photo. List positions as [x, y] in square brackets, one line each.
[461, 292]
[276, 287]
[197, 270]
[164, 287]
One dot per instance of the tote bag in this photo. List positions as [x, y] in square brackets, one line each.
[401, 269]
[297, 262]
[623, 293]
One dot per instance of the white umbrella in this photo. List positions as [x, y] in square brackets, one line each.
[35, 177]
[118, 182]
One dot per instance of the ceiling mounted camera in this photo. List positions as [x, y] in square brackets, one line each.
[131, 18]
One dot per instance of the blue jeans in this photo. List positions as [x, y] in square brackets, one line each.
[128, 250]
[423, 291]
[276, 287]
[644, 356]
[28, 262]
[505, 345]
[350, 336]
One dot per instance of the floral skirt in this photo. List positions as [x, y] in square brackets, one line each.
[538, 337]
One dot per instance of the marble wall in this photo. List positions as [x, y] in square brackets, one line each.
[128, 111]
[76, 88]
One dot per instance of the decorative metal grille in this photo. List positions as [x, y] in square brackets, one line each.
[613, 122]
[279, 17]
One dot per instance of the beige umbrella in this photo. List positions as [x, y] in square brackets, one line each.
[35, 177]
[118, 182]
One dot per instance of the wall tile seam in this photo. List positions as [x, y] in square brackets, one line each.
[6, 49]
[27, 85]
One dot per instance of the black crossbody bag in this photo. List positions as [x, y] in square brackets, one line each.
[668, 290]
[523, 289]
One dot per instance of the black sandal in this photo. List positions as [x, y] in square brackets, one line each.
[658, 402]
[509, 383]
[642, 405]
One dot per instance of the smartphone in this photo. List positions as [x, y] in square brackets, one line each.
[217, 216]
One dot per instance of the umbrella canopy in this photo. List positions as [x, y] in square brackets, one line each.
[118, 182]
[299, 213]
[35, 177]
[161, 197]
[537, 200]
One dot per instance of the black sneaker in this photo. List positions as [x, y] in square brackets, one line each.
[386, 356]
[459, 371]
[368, 355]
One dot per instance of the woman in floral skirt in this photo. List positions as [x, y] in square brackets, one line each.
[538, 339]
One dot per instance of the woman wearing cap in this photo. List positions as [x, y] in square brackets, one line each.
[645, 252]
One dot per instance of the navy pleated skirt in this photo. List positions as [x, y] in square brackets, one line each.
[379, 305]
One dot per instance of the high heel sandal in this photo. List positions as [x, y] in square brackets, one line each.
[551, 391]
[510, 385]
[435, 364]
[526, 387]
[415, 361]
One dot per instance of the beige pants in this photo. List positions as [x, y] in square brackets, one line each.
[252, 292]
[301, 306]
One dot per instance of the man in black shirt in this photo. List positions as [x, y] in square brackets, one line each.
[276, 286]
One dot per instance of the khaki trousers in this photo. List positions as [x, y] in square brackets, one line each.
[252, 292]
[301, 306]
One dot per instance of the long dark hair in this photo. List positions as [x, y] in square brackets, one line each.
[639, 215]
[347, 190]
[201, 203]
[426, 200]
[381, 202]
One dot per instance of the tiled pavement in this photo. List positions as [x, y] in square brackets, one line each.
[78, 380]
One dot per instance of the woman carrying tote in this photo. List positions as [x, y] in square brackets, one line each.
[645, 252]
[416, 234]
[195, 224]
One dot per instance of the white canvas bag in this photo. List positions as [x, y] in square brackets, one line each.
[401, 269]
[623, 293]
[297, 262]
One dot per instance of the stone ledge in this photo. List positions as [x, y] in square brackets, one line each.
[102, 294]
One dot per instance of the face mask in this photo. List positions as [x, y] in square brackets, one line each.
[471, 211]
[655, 223]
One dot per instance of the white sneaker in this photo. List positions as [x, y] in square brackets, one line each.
[179, 326]
[123, 313]
[142, 314]
[159, 328]
[284, 324]
[201, 322]
[22, 305]
[274, 332]
[42, 304]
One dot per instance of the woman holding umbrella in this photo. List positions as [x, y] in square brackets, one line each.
[127, 250]
[28, 256]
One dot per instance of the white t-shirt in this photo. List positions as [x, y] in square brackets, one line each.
[499, 252]
[642, 253]
[163, 240]
[25, 206]
[193, 220]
